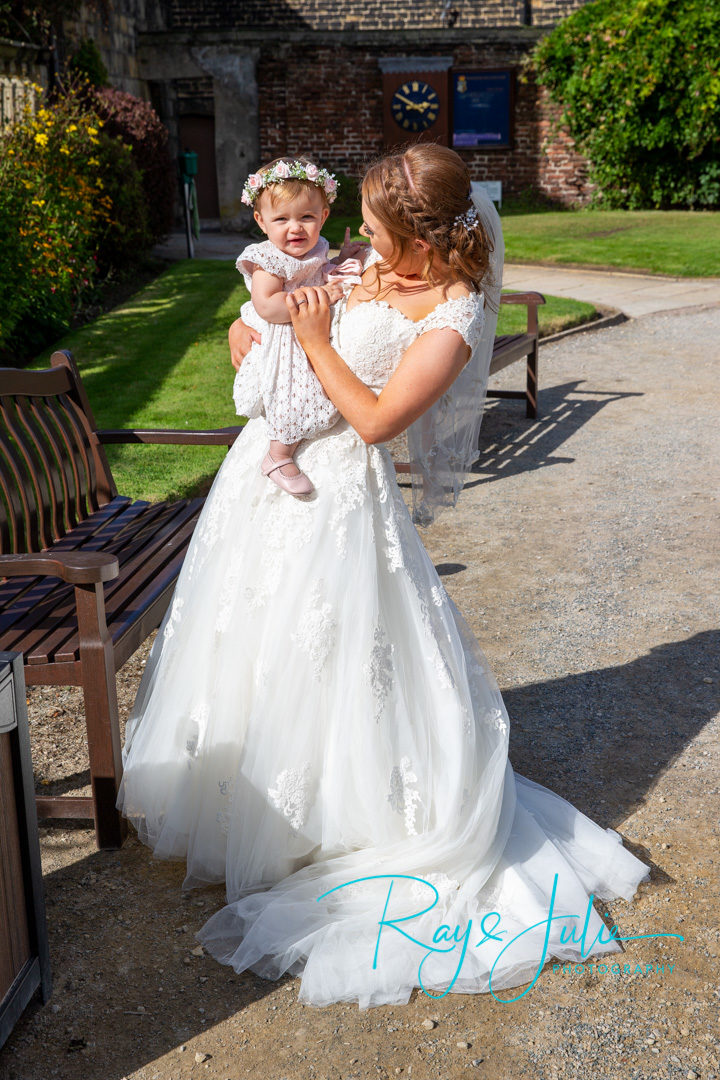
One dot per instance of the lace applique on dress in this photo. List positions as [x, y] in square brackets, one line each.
[286, 526]
[197, 726]
[291, 794]
[465, 314]
[494, 718]
[228, 597]
[224, 816]
[442, 883]
[350, 495]
[174, 617]
[379, 670]
[315, 632]
[403, 798]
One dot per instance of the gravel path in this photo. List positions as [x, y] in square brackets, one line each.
[584, 555]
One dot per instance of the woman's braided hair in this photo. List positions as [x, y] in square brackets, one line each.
[422, 192]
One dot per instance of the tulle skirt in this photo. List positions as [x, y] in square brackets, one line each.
[318, 728]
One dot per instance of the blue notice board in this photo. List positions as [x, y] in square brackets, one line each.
[482, 104]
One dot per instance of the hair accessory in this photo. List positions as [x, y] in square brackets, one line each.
[289, 170]
[469, 219]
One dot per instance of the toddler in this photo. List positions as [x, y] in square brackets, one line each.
[291, 201]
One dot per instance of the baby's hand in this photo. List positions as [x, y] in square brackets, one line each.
[346, 269]
[353, 249]
[334, 291]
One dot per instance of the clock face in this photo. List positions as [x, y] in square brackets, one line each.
[415, 106]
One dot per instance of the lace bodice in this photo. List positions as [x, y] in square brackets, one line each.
[373, 336]
[294, 272]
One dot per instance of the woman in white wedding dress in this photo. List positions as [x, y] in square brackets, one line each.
[316, 725]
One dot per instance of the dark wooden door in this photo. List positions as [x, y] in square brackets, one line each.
[198, 133]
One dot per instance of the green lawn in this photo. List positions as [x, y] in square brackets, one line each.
[161, 360]
[677, 242]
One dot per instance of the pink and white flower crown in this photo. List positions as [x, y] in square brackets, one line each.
[289, 170]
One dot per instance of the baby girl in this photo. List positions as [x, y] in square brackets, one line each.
[291, 201]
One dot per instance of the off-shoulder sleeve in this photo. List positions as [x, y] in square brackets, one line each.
[462, 313]
[265, 256]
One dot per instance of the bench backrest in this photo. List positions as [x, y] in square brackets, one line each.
[53, 470]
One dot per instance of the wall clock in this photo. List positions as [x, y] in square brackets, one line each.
[415, 93]
[415, 106]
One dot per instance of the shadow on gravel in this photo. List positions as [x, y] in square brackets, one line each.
[127, 988]
[600, 738]
[510, 444]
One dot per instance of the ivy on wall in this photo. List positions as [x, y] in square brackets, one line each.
[639, 86]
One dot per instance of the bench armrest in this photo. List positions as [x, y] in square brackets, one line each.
[522, 298]
[175, 436]
[76, 567]
[531, 300]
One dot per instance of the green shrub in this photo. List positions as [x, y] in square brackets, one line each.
[639, 86]
[87, 63]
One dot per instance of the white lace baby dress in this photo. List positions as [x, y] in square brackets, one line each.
[275, 378]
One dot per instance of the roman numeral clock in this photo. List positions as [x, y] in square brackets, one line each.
[415, 100]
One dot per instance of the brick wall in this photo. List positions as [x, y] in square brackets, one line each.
[113, 28]
[364, 14]
[346, 14]
[328, 102]
[549, 12]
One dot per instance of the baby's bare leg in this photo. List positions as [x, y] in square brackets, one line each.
[280, 450]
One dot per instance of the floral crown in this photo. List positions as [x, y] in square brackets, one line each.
[285, 170]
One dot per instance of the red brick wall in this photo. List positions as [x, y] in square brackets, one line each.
[328, 102]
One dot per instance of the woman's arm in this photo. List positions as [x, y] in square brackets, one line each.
[241, 338]
[426, 371]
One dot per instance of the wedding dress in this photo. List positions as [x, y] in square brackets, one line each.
[317, 727]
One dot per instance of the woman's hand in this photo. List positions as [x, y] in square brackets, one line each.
[310, 316]
[241, 338]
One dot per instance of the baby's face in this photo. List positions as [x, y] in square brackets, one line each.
[293, 225]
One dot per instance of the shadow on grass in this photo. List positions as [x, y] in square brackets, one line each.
[126, 356]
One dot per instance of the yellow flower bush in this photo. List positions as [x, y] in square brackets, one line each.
[85, 206]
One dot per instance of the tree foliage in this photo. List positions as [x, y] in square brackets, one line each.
[639, 86]
[25, 20]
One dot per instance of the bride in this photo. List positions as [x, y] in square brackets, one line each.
[316, 725]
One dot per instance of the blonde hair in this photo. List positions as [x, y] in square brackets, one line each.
[419, 193]
[276, 194]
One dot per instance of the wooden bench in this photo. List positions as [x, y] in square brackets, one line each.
[511, 347]
[508, 348]
[86, 574]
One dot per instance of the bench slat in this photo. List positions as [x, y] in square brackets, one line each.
[55, 635]
[145, 574]
[19, 595]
